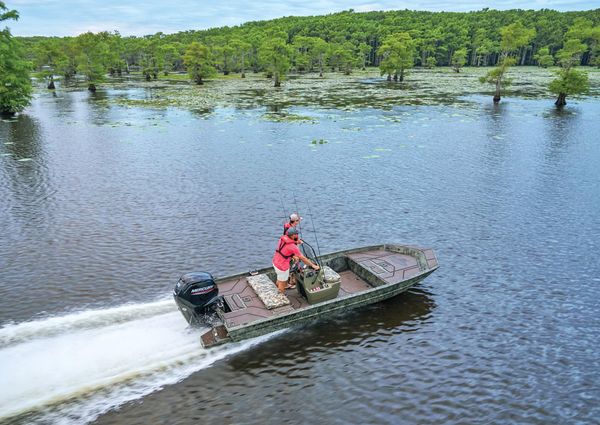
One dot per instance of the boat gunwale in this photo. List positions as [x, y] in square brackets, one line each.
[324, 257]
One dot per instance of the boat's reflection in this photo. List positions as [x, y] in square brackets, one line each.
[365, 326]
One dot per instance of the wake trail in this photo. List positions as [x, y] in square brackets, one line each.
[71, 369]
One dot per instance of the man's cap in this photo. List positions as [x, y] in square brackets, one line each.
[295, 217]
[292, 231]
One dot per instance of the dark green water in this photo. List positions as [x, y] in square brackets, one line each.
[102, 207]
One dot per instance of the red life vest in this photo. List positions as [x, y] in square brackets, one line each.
[286, 227]
[283, 242]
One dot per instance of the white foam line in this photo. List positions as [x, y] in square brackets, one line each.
[19, 332]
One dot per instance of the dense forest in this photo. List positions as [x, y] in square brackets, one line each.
[394, 41]
[341, 40]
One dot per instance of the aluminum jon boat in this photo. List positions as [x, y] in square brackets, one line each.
[248, 304]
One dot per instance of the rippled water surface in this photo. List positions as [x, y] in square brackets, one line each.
[104, 205]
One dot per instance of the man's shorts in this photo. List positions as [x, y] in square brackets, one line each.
[282, 275]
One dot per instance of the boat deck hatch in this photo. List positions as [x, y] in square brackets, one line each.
[235, 302]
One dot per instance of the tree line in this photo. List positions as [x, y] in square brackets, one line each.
[394, 41]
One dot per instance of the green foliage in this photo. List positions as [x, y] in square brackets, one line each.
[498, 78]
[544, 58]
[343, 56]
[15, 85]
[168, 55]
[223, 53]
[47, 57]
[570, 54]
[363, 53]
[515, 36]
[151, 58]
[94, 57]
[437, 34]
[569, 81]
[274, 55]
[459, 59]
[302, 52]
[198, 62]
[241, 50]
[340, 41]
[398, 53]
[583, 29]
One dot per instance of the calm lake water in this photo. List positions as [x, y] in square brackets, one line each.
[103, 207]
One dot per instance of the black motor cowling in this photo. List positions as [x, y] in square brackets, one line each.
[196, 294]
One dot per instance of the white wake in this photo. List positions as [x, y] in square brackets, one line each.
[71, 369]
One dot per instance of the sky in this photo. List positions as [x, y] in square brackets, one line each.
[73, 17]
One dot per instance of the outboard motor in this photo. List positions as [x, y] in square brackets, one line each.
[196, 294]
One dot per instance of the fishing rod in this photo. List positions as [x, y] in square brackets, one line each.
[299, 221]
[314, 230]
[285, 216]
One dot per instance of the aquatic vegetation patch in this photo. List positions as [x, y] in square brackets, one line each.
[364, 89]
[285, 117]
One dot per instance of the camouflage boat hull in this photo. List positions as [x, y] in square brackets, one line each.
[367, 275]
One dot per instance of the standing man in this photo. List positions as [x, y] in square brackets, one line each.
[287, 250]
[294, 222]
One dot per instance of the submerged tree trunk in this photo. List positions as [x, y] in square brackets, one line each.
[395, 77]
[198, 80]
[562, 100]
[243, 74]
[401, 77]
[51, 83]
[389, 77]
[497, 94]
[92, 87]
[277, 82]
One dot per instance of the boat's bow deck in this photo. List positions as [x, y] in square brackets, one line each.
[391, 267]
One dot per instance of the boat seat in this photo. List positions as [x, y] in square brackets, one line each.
[267, 291]
[330, 275]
